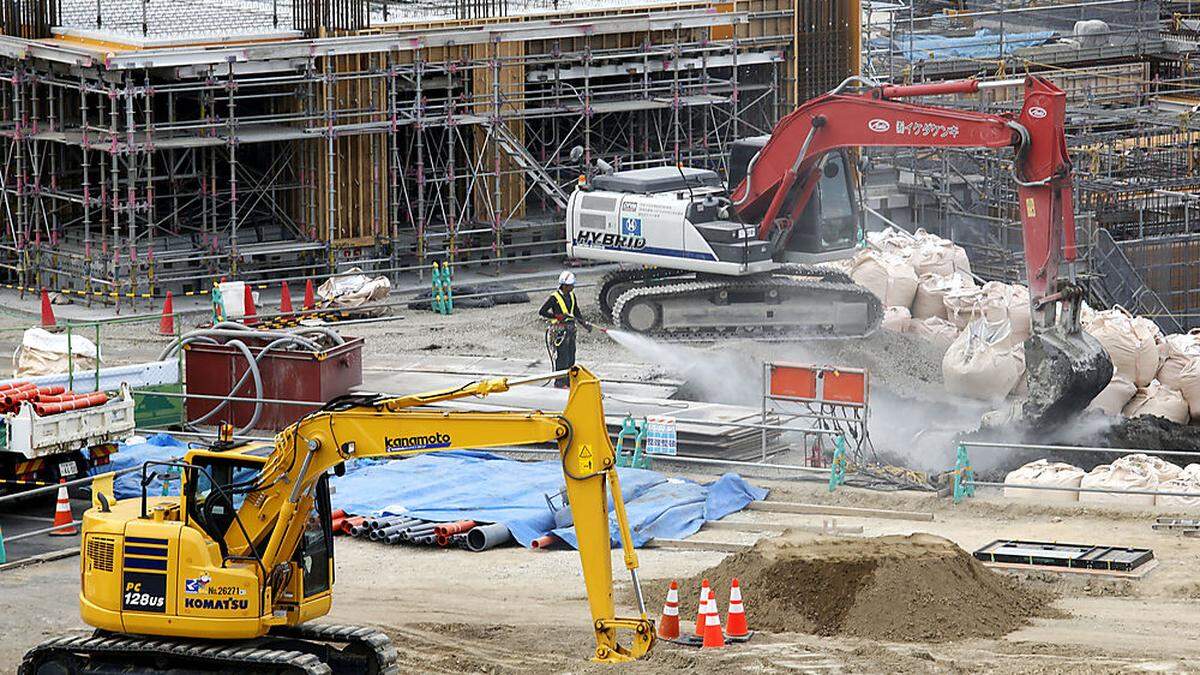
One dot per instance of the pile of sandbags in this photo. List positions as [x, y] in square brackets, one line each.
[1158, 401]
[891, 240]
[1188, 480]
[1049, 474]
[1132, 343]
[890, 277]
[980, 364]
[932, 289]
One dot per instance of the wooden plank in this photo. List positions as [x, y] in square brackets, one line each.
[829, 510]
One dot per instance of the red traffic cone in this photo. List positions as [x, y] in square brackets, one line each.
[705, 594]
[249, 315]
[64, 524]
[285, 300]
[47, 311]
[668, 625]
[713, 637]
[310, 297]
[166, 325]
[735, 621]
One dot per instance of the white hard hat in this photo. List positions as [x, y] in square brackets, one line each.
[567, 278]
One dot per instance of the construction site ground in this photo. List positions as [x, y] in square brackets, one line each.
[515, 610]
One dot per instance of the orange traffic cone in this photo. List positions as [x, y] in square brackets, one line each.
[285, 300]
[713, 637]
[668, 625]
[64, 524]
[249, 316]
[735, 621]
[310, 298]
[705, 594]
[166, 325]
[47, 311]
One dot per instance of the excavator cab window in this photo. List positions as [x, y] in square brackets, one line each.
[214, 494]
[314, 553]
[830, 219]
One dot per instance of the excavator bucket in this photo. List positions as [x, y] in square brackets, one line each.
[1066, 370]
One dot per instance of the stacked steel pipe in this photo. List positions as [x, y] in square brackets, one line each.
[465, 534]
[46, 400]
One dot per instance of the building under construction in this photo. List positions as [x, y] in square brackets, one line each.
[153, 145]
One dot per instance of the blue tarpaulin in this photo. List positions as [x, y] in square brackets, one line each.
[984, 44]
[159, 447]
[485, 487]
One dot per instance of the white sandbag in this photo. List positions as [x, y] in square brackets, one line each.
[1161, 469]
[888, 276]
[1132, 345]
[936, 331]
[977, 367]
[233, 298]
[1020, 311]
[896, 319]
[963, 306]
[353, 289]
[937, 254]
[1188, 480]
[1189, 386]
[1049, 474]
[1113, 398]
[932, 289]
[45, 353]
[1119, 476]
[1158, 401]
[1178, 351]
[892, 240]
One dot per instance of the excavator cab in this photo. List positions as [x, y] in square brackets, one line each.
[831, 219]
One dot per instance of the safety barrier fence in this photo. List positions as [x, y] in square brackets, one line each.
[964, 481]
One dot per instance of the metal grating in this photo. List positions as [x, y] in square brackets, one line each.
[100, 552]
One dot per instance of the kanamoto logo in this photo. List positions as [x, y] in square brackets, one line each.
[1037, 113]
[879, 125]
[438, 440]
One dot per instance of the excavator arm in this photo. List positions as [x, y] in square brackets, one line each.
[400, 427]
[1069, 368]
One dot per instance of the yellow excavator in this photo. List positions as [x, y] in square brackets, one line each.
[228, 576]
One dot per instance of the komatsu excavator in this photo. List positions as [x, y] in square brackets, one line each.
[723, 260]
[227, 576]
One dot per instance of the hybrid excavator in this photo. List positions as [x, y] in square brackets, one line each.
[716, 260]
[227, 576]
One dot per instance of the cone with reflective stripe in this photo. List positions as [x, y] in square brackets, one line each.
[64, 524]
[705, 594]
[668, 625]
[735, 621]
[713, 637]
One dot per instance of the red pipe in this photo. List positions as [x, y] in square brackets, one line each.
[338, 514]
[16, 396]
[81, 401]
[544, 542]
[20, 384]
[448, 529]
[349, 523]
[337, 524]
[931, 89]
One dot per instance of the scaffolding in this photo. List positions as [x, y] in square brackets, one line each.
[141, 152]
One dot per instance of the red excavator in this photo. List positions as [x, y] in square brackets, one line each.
[716, 259]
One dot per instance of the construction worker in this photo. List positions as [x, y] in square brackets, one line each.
[562, 309]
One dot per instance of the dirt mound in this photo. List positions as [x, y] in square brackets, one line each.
[904, 588]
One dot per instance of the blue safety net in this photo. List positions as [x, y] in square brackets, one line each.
[984, 44]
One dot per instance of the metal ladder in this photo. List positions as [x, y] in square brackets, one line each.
[532, 168]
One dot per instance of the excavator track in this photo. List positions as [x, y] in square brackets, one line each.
[792, 303]
[613, 284]
[317, 649]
